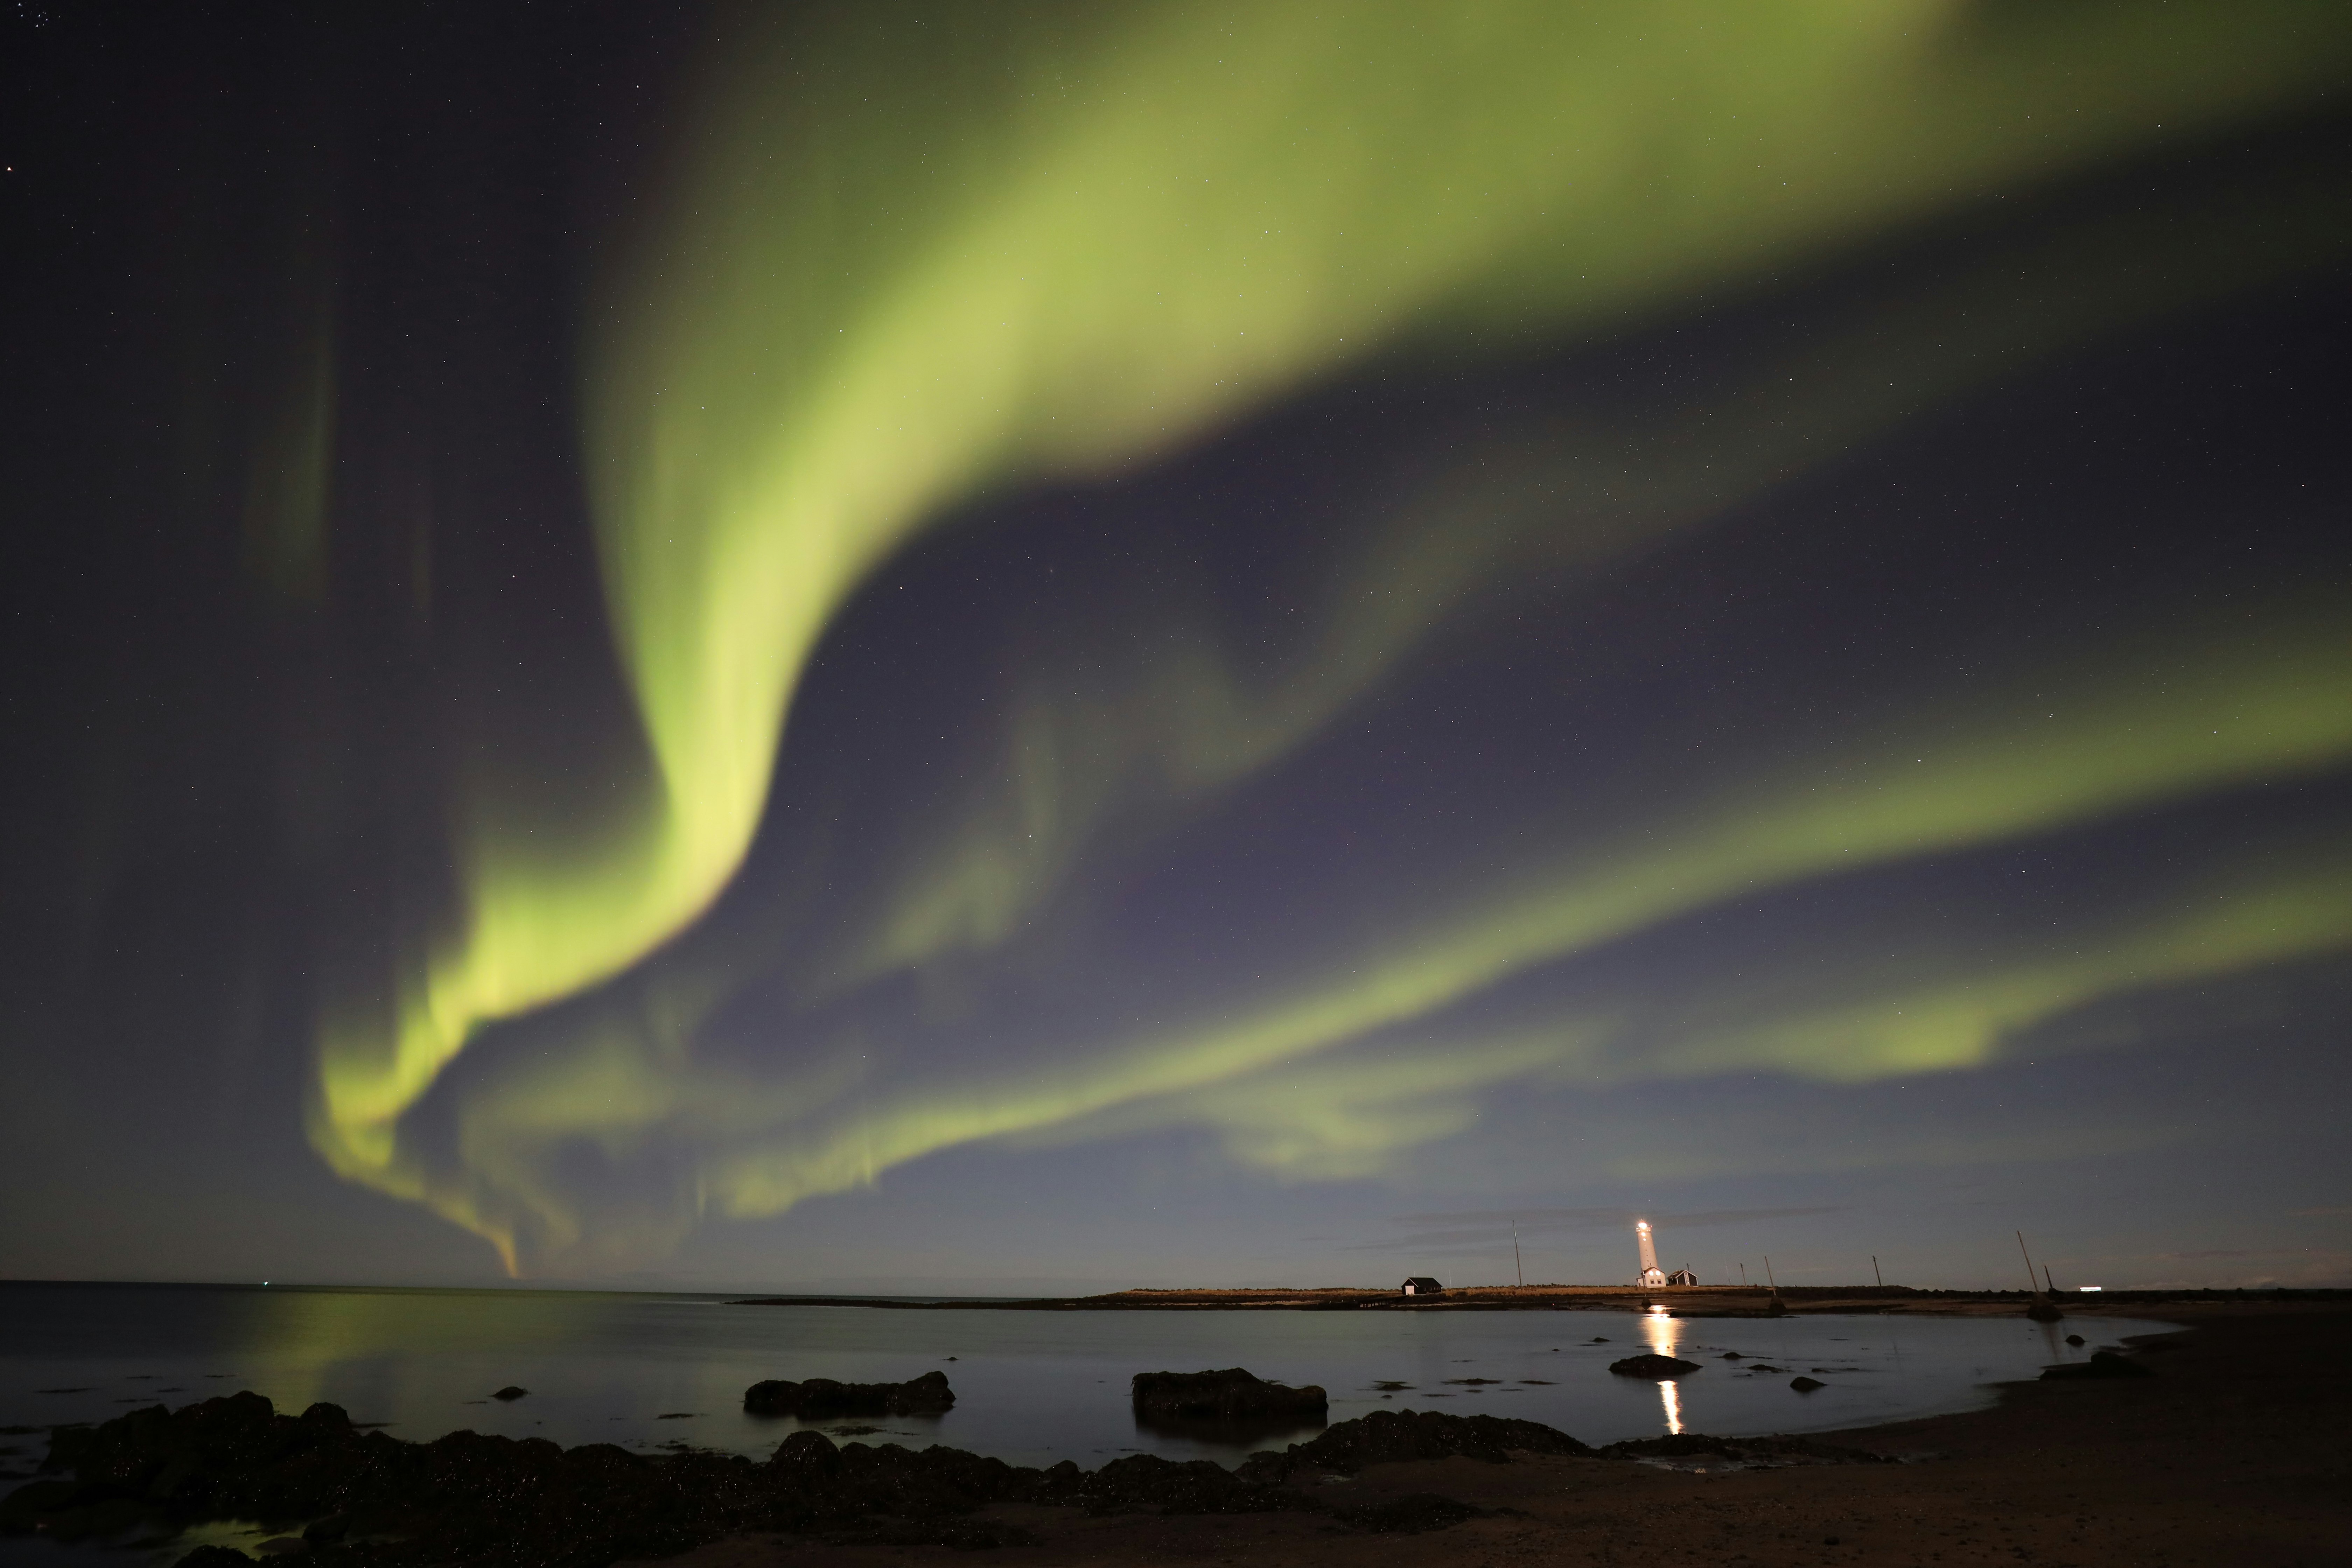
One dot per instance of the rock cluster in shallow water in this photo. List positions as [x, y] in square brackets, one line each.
[821, 1397]
[1388, 1437]
[1232, 1395]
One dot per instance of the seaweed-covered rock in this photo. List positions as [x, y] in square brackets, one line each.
[806, 1458]
[821, 1396]
[1148, 1483]
[1806, 1385]
[1233, 1395]
[1652, 1366]
[1387, 1436]
[231, 1453]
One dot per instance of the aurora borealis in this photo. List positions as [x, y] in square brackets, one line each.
[1049, 643]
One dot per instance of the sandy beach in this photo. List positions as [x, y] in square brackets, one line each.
[2234, 1452]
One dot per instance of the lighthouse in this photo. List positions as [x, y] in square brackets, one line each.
[1651, 1273]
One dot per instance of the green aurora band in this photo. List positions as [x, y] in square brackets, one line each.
[985, 251]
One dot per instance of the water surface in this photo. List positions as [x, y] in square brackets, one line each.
[1032, 1387]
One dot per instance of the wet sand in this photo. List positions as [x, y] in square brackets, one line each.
[2236, 1452]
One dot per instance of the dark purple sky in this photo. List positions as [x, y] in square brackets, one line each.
[1843, 748]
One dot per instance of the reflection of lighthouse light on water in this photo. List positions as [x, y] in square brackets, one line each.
[1662, 1332]
[1658, 1327]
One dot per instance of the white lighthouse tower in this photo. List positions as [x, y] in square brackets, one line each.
[1651, 1273]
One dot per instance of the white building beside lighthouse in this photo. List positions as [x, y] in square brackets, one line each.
[1651, 1273]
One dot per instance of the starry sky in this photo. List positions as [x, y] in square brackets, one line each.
[1038, 647]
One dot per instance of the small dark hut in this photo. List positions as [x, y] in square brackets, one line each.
[1682, 1276]
[1422, 1285]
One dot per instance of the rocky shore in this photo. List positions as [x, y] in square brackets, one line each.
[344, 1496]
[2222, 1445]
[2231, 1451]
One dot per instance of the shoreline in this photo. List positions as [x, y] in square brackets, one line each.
[2220, 1443]
[2234, 1451]
[1679, 1301]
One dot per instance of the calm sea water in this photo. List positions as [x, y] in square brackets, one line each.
[644, 1370]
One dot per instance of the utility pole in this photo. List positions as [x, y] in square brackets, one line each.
[2041, 1308]
[1743, 1277]
[1516, 1263]
[1874, 1268]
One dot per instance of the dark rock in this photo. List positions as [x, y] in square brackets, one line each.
[1385, 1436]
[1806, 1385]
[2103, 1364]
[1409, 1515]
[2074, 1339]
[511, 1393]
[1760, 1366]
[1232, 1395]
[1733, 1355]
[2044, 1310]
[1146, 1482]
[1652, 1366]
[807, 1459]
[821, 1396]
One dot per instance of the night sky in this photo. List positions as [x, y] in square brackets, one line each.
[1059, 646]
